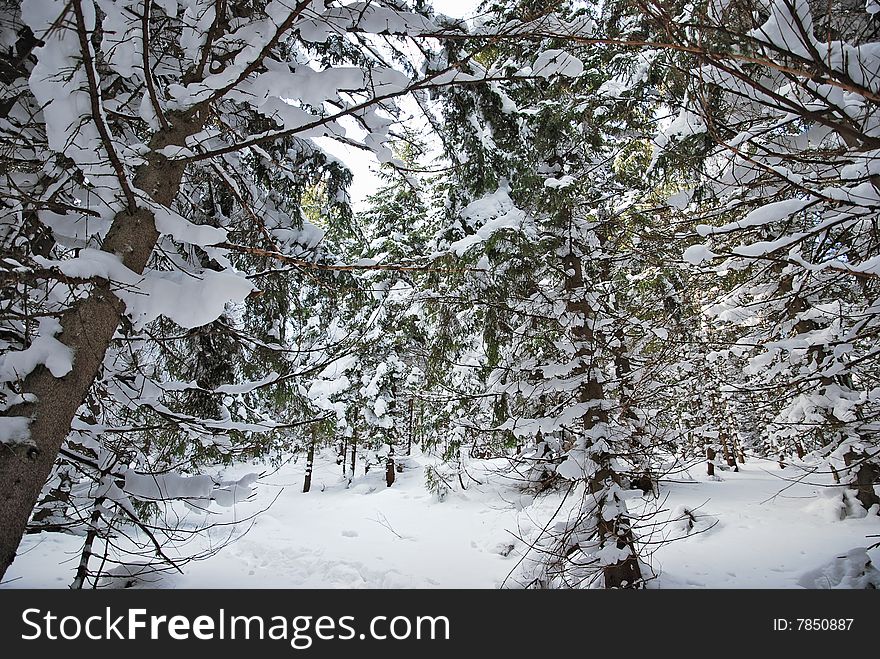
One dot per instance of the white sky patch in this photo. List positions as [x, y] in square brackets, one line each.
[363, 164]
[456, 8]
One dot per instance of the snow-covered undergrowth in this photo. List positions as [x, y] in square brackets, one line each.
[763, 527]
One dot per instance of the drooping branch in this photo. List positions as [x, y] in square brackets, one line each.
[97, 111]
[335, 267]
[145, 65]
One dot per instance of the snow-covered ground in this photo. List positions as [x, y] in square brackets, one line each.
[758, 528]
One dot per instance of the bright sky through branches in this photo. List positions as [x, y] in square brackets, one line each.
[362, 163]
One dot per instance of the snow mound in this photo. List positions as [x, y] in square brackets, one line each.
[852, 570]
[688, 521]
[837, 503]
[135, 575]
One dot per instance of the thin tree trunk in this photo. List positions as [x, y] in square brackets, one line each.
[87, 329]
[82, 571]
[710, 461]
[412, 429]
[310, 461]
[344, 455]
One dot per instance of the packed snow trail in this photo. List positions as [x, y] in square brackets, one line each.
[753, 529]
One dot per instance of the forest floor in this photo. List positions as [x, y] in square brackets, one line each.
[762, 527]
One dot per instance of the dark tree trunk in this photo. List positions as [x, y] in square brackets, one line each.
[728, 455]
[625, 573]
[389, 467]
[412, 429]
[710, 461]
[866, 475]
[344, 455]
[310, 461]
[87, 329]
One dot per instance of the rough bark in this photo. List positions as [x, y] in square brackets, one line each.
[87, 328]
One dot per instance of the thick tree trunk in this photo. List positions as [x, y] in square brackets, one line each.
[710, 461]
[87, 328]
[725, 451]
[866, 476]
[389, 468]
